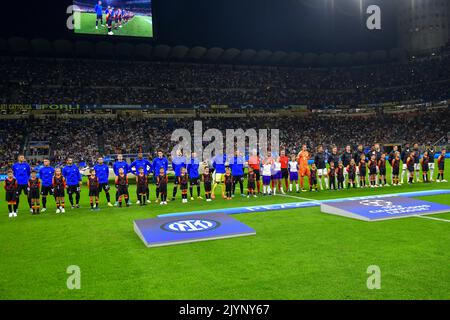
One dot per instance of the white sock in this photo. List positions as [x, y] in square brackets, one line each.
[320, 182]
[326, 182]
[297, 187]
[290, 187]
[403, 176]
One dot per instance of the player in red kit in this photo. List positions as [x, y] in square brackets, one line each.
[284, 160]
[255, 162]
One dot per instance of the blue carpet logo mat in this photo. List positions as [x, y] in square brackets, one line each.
[305, 204]
[383, 208]
[156, 232]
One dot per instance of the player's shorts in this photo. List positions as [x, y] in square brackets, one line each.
[417, 166]
[94, 192]
[351, 176]
[284, 173]
[237, 179]
[184, 186]
[258, 174]
[266, 180]
[22, 187]
[372, 171]
[99, 16]
[426, 169]
[251, 185]
[34, 194]
[277, 175]
[441, 166]
[345, 171]
[208, 187]
[122, 190]
[218, 177]
[11, 196]
[312, 181]
[357, 171]
[395, 171]
[104, 186]
[73, 189]
[304, 172]
[322, 172]
[47, 190]
[194, 181]
[362, 173]
[411, 168]
[162, 189]
[383, 171]
[293, 176]
[59, 192]
[109, 23]
[142, 189]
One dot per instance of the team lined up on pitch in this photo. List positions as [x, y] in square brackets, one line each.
[334, 172]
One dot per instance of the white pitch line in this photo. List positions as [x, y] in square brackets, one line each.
[432, 218]
[295, 197]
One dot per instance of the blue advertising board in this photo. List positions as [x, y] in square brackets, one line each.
[156, 232]
[383, 208]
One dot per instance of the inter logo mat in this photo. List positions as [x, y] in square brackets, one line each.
[383, 208]
[157, 232]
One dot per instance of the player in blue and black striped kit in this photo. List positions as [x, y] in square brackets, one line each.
[99, 12]
[194, 176]
[22, 173]
[159, 163]
[73, 180]
[102, 172]
[141, 162]
[237, 171]
[120, 164]
[46, 174]
[178, 163]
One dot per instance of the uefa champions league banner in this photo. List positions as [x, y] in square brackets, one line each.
[383, 208]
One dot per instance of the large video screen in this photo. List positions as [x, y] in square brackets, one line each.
[132, 18]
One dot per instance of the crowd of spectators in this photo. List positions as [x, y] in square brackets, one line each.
[44, 81]
[12, 136]
[87, 138]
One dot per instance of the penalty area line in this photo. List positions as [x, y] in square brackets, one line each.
[432, 218]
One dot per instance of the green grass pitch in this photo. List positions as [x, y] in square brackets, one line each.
[139, 26]
[296, 254]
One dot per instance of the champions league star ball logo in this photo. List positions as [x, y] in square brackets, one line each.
[190, 226]
[377, 203]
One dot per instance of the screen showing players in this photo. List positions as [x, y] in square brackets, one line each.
[132, 18]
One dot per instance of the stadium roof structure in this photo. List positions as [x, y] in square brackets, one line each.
[64, 48]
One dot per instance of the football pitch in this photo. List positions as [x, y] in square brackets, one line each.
[296, 254]
[138, 26]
